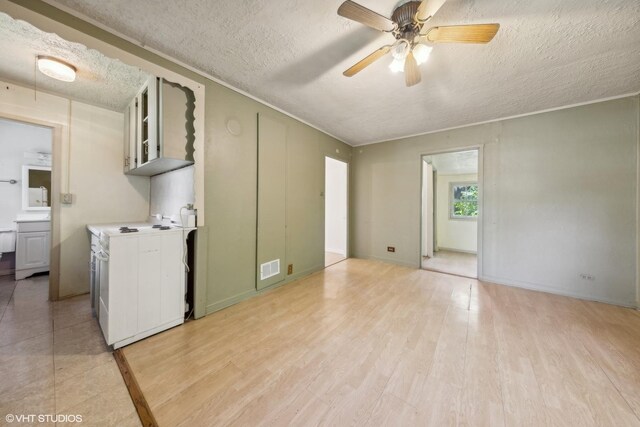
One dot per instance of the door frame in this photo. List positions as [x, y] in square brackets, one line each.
[480, 222]
[56, 182]
[324, 212]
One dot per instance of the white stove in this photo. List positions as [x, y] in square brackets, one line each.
[140, 281]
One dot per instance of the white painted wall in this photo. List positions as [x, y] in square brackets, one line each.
[16, 138]
[91, 167]
[427, 210]
[172, 190]
[559, 199]
[455, 234]
[335, 238]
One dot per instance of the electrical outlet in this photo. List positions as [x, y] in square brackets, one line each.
[66, 198]
[290, 269]
[584, 276]
[391, 248]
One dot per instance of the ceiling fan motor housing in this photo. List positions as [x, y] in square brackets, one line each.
[404, 17]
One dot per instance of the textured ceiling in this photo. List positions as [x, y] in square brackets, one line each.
[291, 53]
[460, 162]
[100, 80]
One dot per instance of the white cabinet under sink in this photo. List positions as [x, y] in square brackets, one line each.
[32, 248]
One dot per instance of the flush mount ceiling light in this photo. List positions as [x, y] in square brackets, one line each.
[56, 68]
[409, 25]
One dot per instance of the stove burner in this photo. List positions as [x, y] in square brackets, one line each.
[161, 227]
[128, 230]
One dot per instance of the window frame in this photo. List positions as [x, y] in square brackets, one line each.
[452, 200]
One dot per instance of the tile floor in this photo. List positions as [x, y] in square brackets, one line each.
[458, 263]
[53, 359]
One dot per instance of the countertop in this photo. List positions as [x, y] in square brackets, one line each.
[98, 229]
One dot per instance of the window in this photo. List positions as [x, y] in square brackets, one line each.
[463, 200]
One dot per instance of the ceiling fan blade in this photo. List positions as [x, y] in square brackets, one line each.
[411, 71]
[367, 61]
[428, 8]
[480, 33]
[361, 14]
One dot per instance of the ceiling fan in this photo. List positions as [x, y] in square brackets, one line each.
[414, 37]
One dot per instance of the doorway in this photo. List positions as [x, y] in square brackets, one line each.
[450, 212]
[25, 195]
[335, 211]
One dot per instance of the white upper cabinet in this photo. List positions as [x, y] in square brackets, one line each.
[159, 131]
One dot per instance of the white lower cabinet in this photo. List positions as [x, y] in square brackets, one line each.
[32, 248]
[142, 286]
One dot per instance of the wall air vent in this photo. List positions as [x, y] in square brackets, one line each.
[269, 269]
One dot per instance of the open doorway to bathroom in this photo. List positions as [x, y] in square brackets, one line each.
[335, 208]
[450, 210]
[25, 199]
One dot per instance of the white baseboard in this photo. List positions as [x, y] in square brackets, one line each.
[522, 285]
[555, 291]
[441, 248]
[392, 261]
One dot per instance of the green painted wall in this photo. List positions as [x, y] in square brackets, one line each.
[559, 199]
[229, 266]
[231, 194]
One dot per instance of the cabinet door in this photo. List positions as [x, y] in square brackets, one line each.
[119, 288]
[148, 122]
[130, 136]
[160, 280]
[152, 109]
[150, 268]
[139, 119]
[32, 250]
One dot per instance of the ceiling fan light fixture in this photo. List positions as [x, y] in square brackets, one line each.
[400, 50]
[409, 26]
[397, 65]
[421, 52]
[56, 68]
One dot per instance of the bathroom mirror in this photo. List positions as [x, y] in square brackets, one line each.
[36, 188]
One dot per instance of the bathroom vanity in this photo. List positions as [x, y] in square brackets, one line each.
[32, 247]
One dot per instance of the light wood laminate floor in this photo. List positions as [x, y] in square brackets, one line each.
[53, 359]
[331, 258]
[451, 262]
[368, 343]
